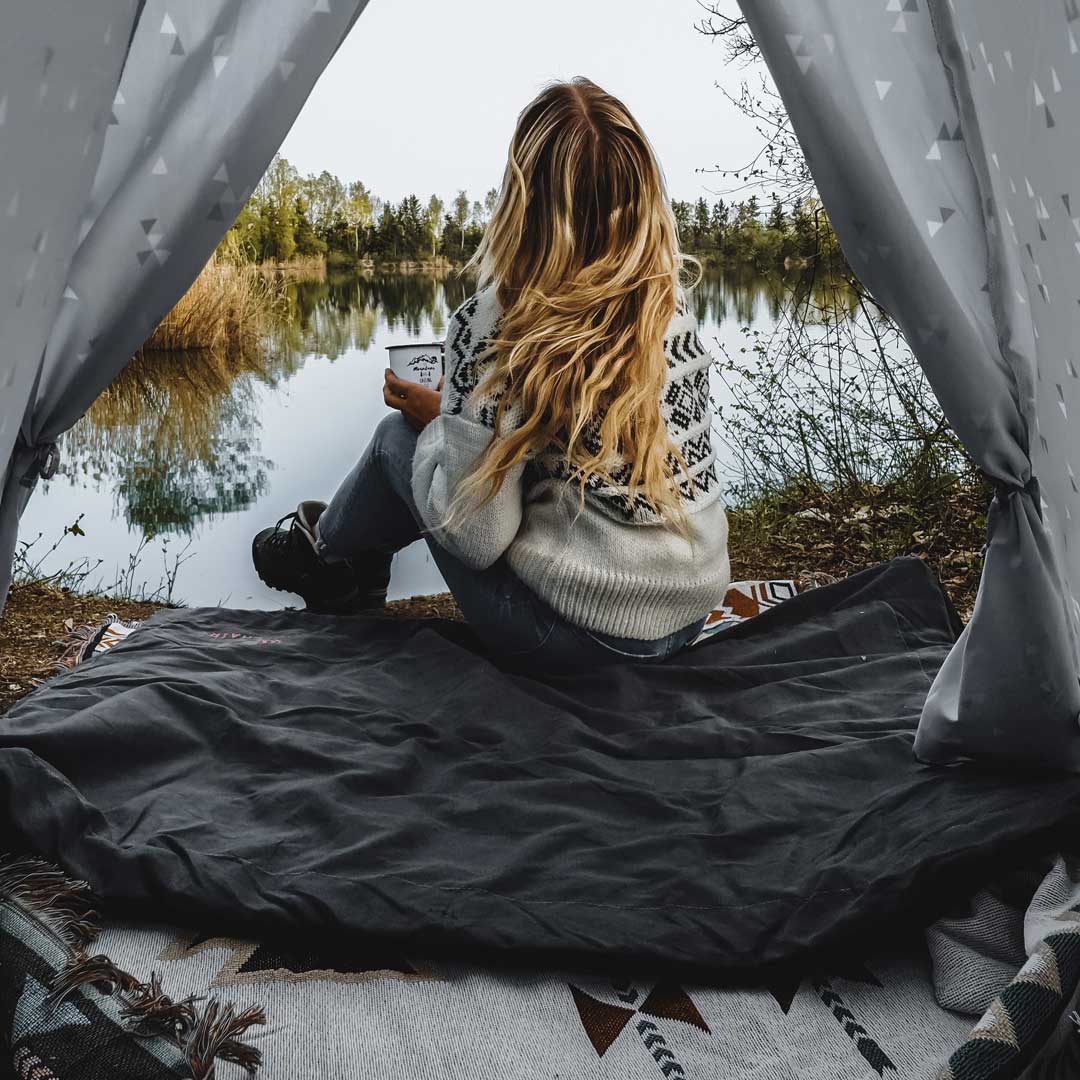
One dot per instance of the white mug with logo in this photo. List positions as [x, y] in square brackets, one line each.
[418, 363]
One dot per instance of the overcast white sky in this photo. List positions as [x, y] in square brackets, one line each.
[423, 95]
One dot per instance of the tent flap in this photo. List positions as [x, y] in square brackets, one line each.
[59, 69]
[945, 170]
[208, 92]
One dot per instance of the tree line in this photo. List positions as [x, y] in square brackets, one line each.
[291, 216]
[739, 234]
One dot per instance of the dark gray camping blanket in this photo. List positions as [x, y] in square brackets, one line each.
[749, 801]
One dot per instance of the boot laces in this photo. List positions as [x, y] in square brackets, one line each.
[282, 538]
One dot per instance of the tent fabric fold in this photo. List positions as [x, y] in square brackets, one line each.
[946, 172]
[59, 70]
[173, 148]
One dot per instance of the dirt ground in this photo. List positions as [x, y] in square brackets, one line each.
[38, 618]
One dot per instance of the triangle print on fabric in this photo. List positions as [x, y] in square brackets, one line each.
[934, 225]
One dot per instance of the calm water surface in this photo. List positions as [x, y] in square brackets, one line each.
[196, 453]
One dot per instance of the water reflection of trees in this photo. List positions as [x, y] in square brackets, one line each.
[177, 434]
[747, 297]
[343, 312]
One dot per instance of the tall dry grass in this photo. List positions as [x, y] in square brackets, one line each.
[227, 311]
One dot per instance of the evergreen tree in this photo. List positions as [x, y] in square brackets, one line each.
[803, 230]
[413, 226]
[777, 217]
[681, 210]
[700, 225]
[718, 221]
[307, 241]
[388, 233]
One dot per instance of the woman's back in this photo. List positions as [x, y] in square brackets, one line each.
[600, 555]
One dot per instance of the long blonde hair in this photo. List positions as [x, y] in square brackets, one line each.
[583, 250]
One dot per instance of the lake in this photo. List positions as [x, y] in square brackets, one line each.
[191, 454]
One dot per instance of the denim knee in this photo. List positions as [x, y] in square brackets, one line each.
[394, 437]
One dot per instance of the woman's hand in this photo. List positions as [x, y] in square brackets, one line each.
[416, 403]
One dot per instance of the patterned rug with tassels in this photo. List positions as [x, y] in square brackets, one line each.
[69, 1013]
[72, 1010]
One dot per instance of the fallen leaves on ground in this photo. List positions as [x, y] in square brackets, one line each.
[38, 617]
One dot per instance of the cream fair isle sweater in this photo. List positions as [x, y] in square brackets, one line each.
[611, 566]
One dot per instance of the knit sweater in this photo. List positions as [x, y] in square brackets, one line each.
[610, 566]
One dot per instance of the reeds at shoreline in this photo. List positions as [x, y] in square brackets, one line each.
[226, 310]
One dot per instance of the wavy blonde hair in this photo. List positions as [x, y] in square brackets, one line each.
[583, 250]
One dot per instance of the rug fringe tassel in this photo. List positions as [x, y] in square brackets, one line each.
[62, 903]
[218, 1036]
[205, 1031]
[212, 1032]
[97, 971]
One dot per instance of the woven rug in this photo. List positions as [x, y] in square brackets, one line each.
[347, 1012]
[341, 1008]
[345, 1009]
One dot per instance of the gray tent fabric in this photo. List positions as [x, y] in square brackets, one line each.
[59, 69]
[207, 93]
[943, 138]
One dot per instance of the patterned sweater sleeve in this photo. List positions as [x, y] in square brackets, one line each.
[450, 446]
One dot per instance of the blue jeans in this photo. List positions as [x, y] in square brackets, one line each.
[374, 511]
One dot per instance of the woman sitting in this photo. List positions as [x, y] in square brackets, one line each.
[564, 478]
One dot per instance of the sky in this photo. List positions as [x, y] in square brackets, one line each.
[423, 95]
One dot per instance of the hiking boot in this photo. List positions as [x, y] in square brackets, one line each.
[287, 558]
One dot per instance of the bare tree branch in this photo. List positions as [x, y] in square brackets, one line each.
[732, 32]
